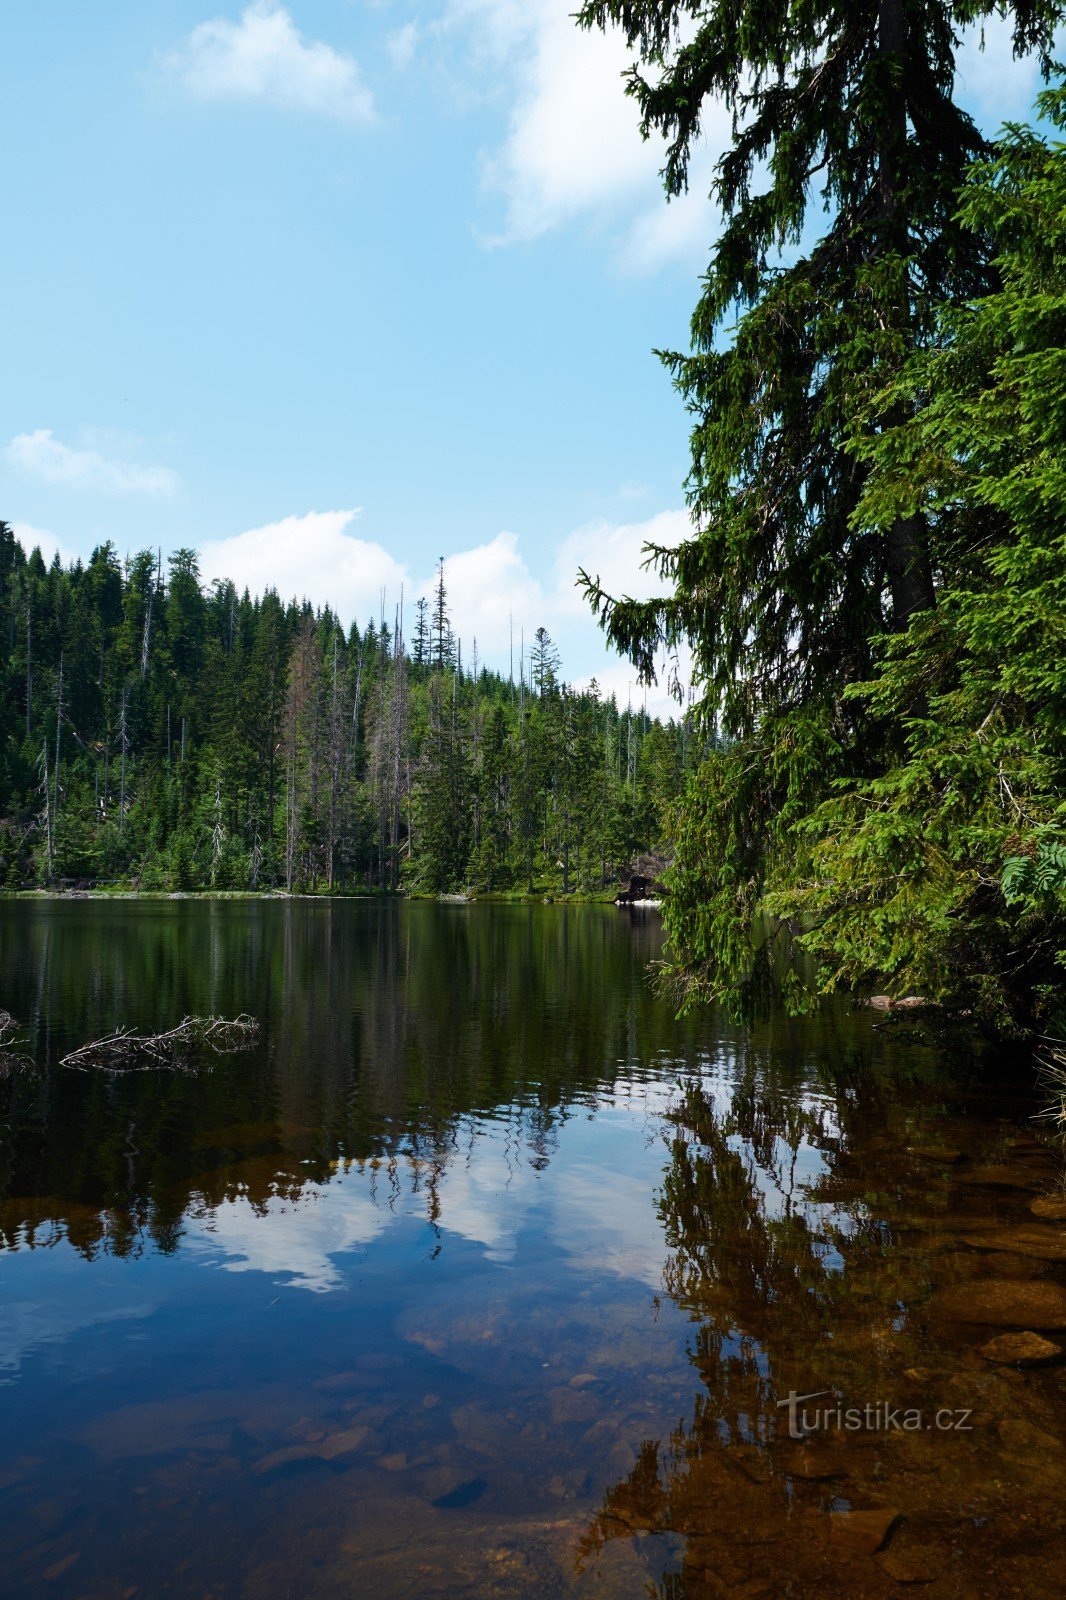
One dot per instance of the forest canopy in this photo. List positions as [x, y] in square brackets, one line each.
[159, 734]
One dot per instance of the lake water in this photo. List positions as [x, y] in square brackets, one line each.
[482, 1275]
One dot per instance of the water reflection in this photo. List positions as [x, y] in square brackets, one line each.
[391, 1036]
[482, 1275]
[809, 1229]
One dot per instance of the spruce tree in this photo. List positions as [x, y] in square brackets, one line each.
[846, 111]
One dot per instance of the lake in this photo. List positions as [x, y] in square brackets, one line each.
[482, 1275]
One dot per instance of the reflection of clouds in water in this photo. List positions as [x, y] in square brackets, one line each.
[604, 1221]
[486, 1199]
[296, 1239]
[49, 1318]
[593, 1203]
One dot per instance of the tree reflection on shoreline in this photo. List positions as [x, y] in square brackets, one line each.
[389, 1033]
[806, 1232]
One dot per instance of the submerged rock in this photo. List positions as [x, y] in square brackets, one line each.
[905, 1568]
[1011, 1303]
[1046, 1244]
[1004, 1178]
[1020, 1349]
[1051, 1207]
[861, 1533]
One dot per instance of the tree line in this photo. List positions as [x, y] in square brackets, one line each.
[875, 587]
[167, 735]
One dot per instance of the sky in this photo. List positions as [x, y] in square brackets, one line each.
[329, 289]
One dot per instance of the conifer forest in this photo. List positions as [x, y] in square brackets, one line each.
[161, 735]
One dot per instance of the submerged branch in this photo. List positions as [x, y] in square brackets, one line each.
[125, 1049]
[1051, 1070]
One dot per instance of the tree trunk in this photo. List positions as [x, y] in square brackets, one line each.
[907, 565]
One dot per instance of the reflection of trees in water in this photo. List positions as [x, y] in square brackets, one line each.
[389, 1034]
[773, 1207]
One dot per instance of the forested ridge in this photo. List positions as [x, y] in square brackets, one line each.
[874, 591]
[162, 734]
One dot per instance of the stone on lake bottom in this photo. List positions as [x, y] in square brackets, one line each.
[1020, 1349]
[1052, 1207]
[1046, 1244]
[1002, 1178]
[861, 1533]
[903, 1568]
[1010, 1303]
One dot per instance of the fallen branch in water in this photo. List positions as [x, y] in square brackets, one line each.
[125, 1049]
[9, 1058]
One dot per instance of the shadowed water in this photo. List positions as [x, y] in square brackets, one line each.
[482, 1275]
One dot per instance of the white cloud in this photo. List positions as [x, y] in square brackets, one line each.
[403, 44]
[615, 553]
[44, 456]
[264, 57]
[317, 557]
[51, 1317]
[486, 587]
[31, 538]
[573, 147]
[573, 143]
[312, 557]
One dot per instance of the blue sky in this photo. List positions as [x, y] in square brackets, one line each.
[328, 289]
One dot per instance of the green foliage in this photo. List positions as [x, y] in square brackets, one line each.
[946, 872]
[873, 591]
[211, 741]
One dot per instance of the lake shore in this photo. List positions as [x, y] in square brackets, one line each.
[543, 897]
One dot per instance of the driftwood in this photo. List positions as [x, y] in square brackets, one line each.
[124, 1049]
[9, 1058]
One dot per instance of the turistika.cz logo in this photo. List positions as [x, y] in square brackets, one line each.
[877, 1416]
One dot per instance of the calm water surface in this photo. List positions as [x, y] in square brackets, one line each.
[481, 1275]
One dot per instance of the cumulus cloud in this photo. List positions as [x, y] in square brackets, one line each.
[573, 144]
[43, 456]
[264, 57]
[615, 553]
[300, 1244]
[573, 147]
[313, 557]
[490, 586]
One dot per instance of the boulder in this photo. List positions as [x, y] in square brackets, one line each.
[1046, 1244]
[1026, 1349]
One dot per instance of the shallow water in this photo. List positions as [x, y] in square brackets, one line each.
[481, 1275]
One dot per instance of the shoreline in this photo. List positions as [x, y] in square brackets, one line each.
[504, 898]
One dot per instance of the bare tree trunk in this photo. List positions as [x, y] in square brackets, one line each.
[59, 730]
[29, 665]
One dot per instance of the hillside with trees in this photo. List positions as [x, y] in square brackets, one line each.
[163, 735]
